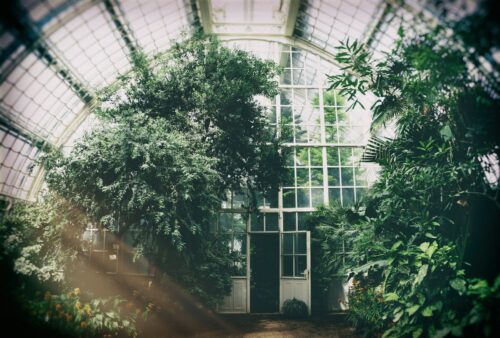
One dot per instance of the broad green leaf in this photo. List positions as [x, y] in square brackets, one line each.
[446, 133]
[459, 285]
[424, 246]
[427, 312]
[397, 315]
[422, 272]
[396, 245]
[391, 296]
[412, 309]
[417, 333]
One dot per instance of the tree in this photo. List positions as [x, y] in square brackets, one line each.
[175, 135]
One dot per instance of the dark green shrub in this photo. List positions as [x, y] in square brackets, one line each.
[295, 308]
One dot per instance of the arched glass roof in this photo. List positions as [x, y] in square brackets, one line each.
[55, 54]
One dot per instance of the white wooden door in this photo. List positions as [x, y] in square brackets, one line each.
[236, 301]
[295, 267]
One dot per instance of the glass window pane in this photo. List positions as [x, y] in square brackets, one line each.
[300, 244]
[286, 115]
[333, 177]
[302, 220]
[288, 243]
[290, 178]
[360, 193]
[299, 96]
[303, 198]
[225, 221]
[240, 222]
[341, 115]
[271, 199]
[346, 156]
[272, 222]
[317, 176]
[289, 221]
[334, 195]
[347, 176]
[239, 200]
[332, 156]
[300, 133]
[330, 115]
[331, 134]
[302, 157]
[286, 77]
[257, 222]
[347, 196]
[303, 177]
[313, 97]
[288, 198]
[361, 177]
[287, 266]
[290, 157]
[317, 197]
[286, 96]
[240, 247]
[316, 156]
[271, 114]
[300, 265]
[314, 134]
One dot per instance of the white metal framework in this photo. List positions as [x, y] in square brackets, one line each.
[326, 143]
[55, 54]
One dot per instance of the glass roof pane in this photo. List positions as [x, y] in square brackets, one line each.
[156, 23]
[10, 49]
[249, 16]
[384, 39]
[16, 155]
[92, 47]
[326, 22]
[37, 99]
[47, 14]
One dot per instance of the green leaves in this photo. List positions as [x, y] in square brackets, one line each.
[459, 285]
[175, 134]
[439, 111]
[422, 273]
[391, 296]
[354, 59]
[428, 248]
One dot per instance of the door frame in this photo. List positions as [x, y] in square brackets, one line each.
[288, 279]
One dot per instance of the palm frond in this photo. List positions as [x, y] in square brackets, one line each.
[378, 151]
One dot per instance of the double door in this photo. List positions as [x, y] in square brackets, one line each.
[278, 268]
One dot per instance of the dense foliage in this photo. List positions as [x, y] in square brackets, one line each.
[409, 239]
[41, 243]
[73, 314]
[209, 92]
[175, 134]
[41, 240]
[172, 137]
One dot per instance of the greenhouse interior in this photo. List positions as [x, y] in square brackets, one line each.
[250, 168]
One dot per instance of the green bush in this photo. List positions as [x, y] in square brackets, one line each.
[295, 308]
[408, 246]
[78, 315]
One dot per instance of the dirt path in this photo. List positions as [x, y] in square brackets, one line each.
[259, 326]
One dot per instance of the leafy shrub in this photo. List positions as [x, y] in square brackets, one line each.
[295, 308]
[40, 240]
[159, 164]
[408, 248]
[367, 308]
[73, 314]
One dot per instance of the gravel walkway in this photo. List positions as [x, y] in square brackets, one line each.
[259, 326]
